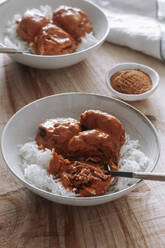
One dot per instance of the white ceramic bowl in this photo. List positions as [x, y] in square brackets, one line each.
[126, 66]
[98, 18]
[25, 122]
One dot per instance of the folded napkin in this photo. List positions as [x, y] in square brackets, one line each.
[137, 24]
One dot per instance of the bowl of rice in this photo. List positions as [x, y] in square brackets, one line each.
[12, 11]
[30, 164]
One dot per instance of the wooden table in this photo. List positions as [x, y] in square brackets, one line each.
[29, 221]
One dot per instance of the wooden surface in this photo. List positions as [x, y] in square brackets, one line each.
[29, 221]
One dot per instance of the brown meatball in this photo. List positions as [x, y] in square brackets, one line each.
[56, 133]
[107, 123]
[83, 178]
[53, 40]
[72, 20]
[93, 145]
[31, 25]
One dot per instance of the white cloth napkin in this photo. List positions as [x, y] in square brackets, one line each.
[138, 24]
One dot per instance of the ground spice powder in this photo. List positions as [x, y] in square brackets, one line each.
[131, 82]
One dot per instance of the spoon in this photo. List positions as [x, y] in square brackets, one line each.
[12, 50]
[140, 175]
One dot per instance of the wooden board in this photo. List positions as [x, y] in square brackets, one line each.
[29, 221]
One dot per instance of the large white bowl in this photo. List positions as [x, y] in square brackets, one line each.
[98, 18]
[25, 122]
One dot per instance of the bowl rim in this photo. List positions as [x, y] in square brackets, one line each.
[145, 94]
[76, 52]
[114, 195]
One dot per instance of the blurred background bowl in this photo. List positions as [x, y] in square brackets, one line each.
[129, 66]
[100, 30]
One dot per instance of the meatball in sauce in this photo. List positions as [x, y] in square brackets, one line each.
[109, 124]
[93, 145]
[73, 20]
[53, 40]
[56, 133]
[30, 25]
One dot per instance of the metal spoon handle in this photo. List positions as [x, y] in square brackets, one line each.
[140, 175]
[149, 176]
[10, 50]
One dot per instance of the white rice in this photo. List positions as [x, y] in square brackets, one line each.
[11, 39]
[34, 164]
